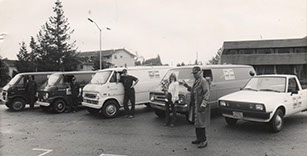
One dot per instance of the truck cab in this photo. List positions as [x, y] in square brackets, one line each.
[265, 98]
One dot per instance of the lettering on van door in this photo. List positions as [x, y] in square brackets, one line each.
[229, 74]
[153, 74]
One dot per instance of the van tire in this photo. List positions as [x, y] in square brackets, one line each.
[93, 111]
[59, 106]
[277, 121]
[110, 109]
[159, 113]
[231, 121]
[17, 104]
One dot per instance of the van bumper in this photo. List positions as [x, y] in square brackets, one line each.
[161, 106]
[46, 104]
[91, 105]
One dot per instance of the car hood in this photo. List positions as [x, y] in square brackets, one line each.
[254, 96]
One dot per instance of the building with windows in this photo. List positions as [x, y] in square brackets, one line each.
[115, 57]
[283, 56]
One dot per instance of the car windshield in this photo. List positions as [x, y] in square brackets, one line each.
[14, 80]
[181, 74]
[101, 77]
[274, 84]
[53, 79]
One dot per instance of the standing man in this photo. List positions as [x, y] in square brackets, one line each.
[74, 94]
[129, 94]
[199, 106]
[31, 89]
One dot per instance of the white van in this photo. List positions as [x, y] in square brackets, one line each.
[104, 94]
[223, 80]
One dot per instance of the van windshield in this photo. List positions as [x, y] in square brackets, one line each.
[101, 77]
[274, 84]
[181, 74]
[14, 80]
[53, 79]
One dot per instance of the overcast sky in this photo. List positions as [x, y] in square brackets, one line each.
[175, 29]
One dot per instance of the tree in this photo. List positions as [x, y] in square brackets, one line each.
[153, 61]
[24, 63]
[4, 73]
[52, 52]
[217, 58]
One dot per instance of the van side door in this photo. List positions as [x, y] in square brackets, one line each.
[115, 87]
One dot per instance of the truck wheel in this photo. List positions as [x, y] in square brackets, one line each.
[231, 121]
[159, 113]
[277, 122]
[59, 106]
[110, 109]
[17, 104]
[45, 109]
[93, 111]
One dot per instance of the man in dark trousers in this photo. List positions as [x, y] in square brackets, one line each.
[31, 88]
[74, 95]
[129, 94]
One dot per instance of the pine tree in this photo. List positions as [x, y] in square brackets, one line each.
[217, 58]
[24, 63]
[54, 51]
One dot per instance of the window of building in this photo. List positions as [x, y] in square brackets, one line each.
[265, 51]
[81, 66]
[300, 50]
[121, 56]
[283, 50]
[115, 57]
[246, 51]
[285, 69]
[231, 52]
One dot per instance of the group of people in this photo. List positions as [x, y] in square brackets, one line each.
[199, 110]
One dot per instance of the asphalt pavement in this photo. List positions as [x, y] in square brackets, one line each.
[37, 133]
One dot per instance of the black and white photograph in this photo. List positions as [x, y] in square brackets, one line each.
[153, 78]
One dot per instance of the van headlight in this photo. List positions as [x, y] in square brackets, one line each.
[259, 107]
[152, 97]
[223, 103]
[181, 99]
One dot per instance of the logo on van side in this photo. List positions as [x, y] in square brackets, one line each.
[229, 74]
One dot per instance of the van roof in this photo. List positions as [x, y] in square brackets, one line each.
[76, 72]
[138, 68]
[216, 66]
[36, 73]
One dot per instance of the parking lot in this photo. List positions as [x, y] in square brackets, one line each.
[34, 133]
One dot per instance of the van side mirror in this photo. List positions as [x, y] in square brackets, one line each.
[252, 73]
[294, 92]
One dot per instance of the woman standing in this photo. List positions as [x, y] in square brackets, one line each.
[199, 106]
[172, 95]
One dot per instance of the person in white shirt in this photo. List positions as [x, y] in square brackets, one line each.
[172, 95]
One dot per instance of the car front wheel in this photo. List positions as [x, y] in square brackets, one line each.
[277, 122]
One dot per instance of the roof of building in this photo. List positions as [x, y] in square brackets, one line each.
[103, 52]
[10, 63]
[278, 43]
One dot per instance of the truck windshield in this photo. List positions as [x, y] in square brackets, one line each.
[274, 84]
[53, 79]
[14, 80]
[101, 77]
[182, 74]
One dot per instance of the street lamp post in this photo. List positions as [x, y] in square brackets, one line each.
[100, 62]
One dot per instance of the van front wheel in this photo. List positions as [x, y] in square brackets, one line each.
[17, 104]
[110, 109]
[59, 106]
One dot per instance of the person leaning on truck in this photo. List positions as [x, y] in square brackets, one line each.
[31, 89]
[172, 95]
[199, 106]
[129, 94]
